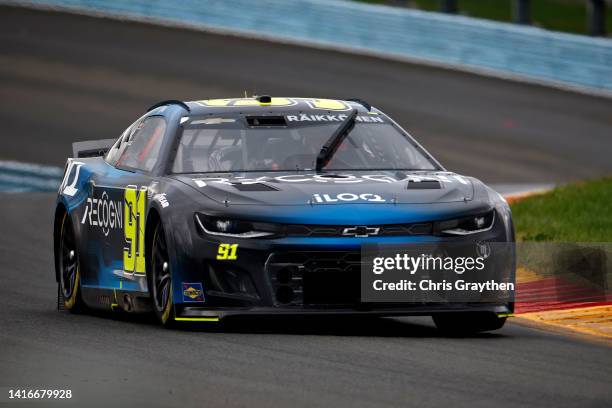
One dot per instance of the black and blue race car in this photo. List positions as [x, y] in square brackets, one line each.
[260, 206]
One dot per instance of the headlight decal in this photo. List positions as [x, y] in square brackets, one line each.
[224, 227]
[473, 224]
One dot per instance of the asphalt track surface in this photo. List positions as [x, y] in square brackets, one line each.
[65, 78]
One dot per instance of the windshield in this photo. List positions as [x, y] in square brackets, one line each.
[235, 144]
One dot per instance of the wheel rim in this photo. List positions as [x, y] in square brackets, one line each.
[69, 261]
[161, 271]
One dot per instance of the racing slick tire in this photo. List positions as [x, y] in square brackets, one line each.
[69, 285]
[159, 279]
[467, 323]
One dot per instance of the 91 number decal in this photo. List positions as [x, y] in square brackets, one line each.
[227, 252]
[134, 231]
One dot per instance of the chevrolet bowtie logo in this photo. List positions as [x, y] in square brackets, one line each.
[360, 231]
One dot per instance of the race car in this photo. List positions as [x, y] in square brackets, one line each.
[215, 208]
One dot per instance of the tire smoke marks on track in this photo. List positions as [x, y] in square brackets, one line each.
[18, 177]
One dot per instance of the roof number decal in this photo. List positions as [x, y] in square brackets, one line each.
[313, 103]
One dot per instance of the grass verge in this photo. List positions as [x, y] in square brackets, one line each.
[580, 212]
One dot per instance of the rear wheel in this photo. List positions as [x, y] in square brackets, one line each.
[466, 323]
[159, 278]
[70, 273]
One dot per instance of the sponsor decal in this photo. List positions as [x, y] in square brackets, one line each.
[193, 292]
[116, 217]
[162, 199]
[303, 117]
[334, 198]
[104, 213]
[447, 178]
[70, 189]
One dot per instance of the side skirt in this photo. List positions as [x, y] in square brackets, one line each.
[116, 299]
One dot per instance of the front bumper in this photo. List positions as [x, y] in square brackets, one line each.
[298, 276]
[207, 314]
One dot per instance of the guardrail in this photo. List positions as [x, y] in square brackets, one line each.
[465, 43]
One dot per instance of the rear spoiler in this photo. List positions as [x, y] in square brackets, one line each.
[91, 148]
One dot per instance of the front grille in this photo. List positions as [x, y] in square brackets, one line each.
[337, 230]
[315, 278]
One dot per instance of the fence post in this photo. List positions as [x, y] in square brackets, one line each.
[521, 13]
[448, 6]
[596, 17]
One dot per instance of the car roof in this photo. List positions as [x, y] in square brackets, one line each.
[261, 105]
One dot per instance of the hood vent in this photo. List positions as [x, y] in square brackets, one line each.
[253, 187]
[424, 185]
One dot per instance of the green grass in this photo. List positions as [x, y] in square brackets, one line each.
[557, 15]
[579, 212]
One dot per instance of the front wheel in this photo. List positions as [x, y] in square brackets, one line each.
[159, 278]
[467, 323]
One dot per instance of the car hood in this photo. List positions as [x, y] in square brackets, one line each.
[297, 188]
